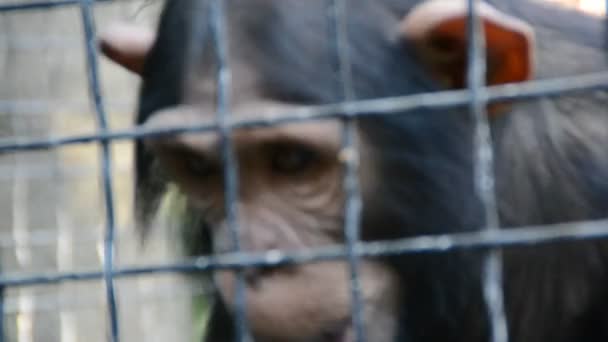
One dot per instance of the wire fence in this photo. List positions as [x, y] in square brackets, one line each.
[489, 239]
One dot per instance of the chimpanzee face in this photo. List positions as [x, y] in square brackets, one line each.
[290, 177]
[290, 198]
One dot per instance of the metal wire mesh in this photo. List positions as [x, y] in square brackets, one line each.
[491, 239]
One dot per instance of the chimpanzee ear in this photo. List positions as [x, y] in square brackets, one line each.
[127, 45]
[438, 30]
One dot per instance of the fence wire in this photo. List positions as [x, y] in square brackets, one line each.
[218, 28]
[350, 156]
[491, 239]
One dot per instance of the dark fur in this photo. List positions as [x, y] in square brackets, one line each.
[550, 161]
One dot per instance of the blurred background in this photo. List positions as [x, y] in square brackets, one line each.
[596, 7]
[52, 216]
[51, 202]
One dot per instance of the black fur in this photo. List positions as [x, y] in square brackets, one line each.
[550, 161]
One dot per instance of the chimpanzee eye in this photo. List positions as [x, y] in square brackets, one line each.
[199, 165]
[292, 158]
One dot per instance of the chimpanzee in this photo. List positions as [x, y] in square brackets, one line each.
[416, 167]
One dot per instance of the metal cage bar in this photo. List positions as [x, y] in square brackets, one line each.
[349, 155]
[512, 237]
[477, 96]
[42, 5]
[218, 28]
[385, 106]
[484, 172]
[106, 161]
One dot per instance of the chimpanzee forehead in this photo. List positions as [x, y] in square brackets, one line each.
[290, 47]
[286, 47]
